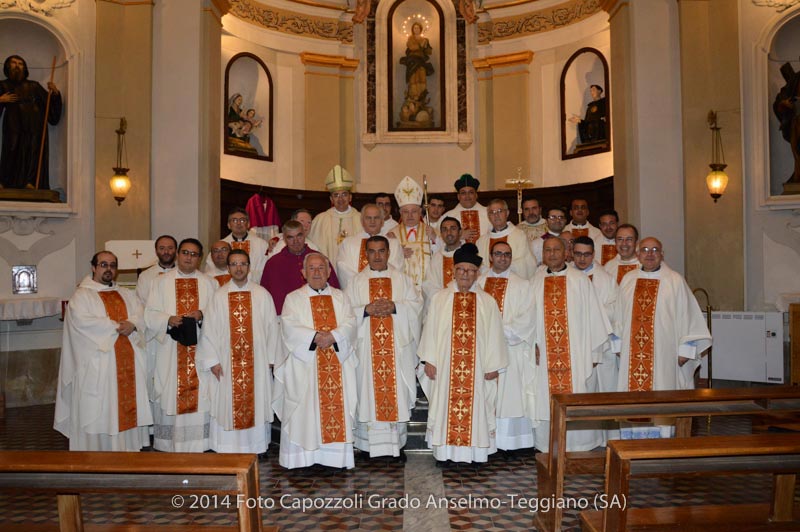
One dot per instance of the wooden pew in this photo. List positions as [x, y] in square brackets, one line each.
[778, 454]
[70, 473]
[681, 405]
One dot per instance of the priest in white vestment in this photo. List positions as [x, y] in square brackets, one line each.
[218, 268]
[579, 220]
[660, 329]
[351, 257]
[571, 333]
[556, 220]
[469, 212]
[241, 237]
[241, 340]
[627, 238]
[331, 227]
[435, 213]
[166, 250]
[180, 412]
[442, 270]
[315, 386]
[532, 221]
[416, 239]
[384, 201]
[524, 263]
[388, 309]
[514, 297]
[101, 399]
[605, 245]
[463, 349]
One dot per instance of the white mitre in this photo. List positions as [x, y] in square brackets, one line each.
[408, 192]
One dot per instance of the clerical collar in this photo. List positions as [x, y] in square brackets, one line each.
[499, 230]
[289, 251]
[579, 225]
[320, 290]
[166, 267]
[559, 271]
[504, 274]
[590, 268]
[342, 212]
[239, 239]
[651, 271]
[378, 271]
[180, 273]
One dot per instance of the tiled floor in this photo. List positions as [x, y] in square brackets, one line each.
[496, 493]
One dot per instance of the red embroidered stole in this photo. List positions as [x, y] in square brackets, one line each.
[384, 380]
[496, 287]
[187, 300]
[362, 255]
[244, 244]
[448, 270]
[622, 269]
[240, 315]
[608, 252]
[126, 364]
[223, 278]
[462, 370]
[329, 375]
[579, 232]
[556, 327]
[471, 220]
[640, 366]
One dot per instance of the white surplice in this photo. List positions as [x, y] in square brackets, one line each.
[215, 348]
[173, 432]
[514, 405]
[434, 277]
[296, 397]
[523, 263]
[606, 288]
[329, 228]
[385, 438]
[349, 253]
[535, 230]
[144, 283]
[491, 355]
[258, 254]
[613, 265]
[594, 232]
[86, 399]
[589, 332]
[680, 329]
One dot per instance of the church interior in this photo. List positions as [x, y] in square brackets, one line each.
[224, 99]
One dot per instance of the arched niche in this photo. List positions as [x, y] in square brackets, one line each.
[248, 81]
[390, 45]
[585, 110]
[783, 80]
[38, 39]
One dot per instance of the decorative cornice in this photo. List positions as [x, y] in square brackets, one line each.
[328, 61]
[44, 7]
[779, 5]
[608, 5]
[501, 61]
[540, 21]
[223, 6]
[127, 3]
[293, 23]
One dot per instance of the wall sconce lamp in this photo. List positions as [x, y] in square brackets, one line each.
[120, 184]
[717, 179]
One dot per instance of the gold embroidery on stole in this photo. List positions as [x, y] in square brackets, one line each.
[640, 365]
[384, 380]
[470, 220]
[496, 287]
[462, 370]
[125, 360]
[556, 327]
[329, 375]
[622, 269]
[240, 316]
[187, 300]
[608, 252]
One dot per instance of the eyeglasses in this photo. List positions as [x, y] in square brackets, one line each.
[465, 271]
[501, 254]
[112, 265]
[237, 264]
[219, 250]
[238, 220]
[556, 217]
[338, 195]
[497, 211]
[187, 253]
[583, 255]
[647, 251]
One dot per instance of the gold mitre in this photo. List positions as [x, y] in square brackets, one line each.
[408, 192]
[338, 179]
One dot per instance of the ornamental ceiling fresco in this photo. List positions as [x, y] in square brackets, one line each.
[331, 19]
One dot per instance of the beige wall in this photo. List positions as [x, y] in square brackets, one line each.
[210, 132]
[123, 88]
[710, 80]
[330, 121]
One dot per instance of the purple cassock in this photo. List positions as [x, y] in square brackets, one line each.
[283, 274]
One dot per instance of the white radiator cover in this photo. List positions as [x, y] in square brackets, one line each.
[748, 346]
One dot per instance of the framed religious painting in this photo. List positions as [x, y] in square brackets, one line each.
[416, 61]
[585, 111]
[247, 114]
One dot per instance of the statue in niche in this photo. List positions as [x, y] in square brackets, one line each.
[787, 109]
[22, 107]
[592, 127]
[415, 111]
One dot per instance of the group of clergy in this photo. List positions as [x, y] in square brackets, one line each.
[331, 324]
